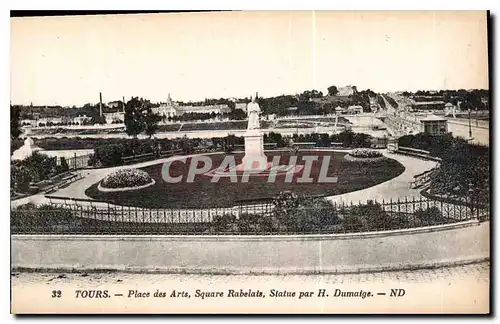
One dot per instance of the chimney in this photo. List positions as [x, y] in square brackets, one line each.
[100, 104]
[123, 98]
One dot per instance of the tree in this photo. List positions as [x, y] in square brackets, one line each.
[134, 120]
[15, 130]
[151, 122]
[332, 90]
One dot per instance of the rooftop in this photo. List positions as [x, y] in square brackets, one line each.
[432, 117]
[423, 103]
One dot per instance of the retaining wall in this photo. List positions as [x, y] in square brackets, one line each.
[302, 254]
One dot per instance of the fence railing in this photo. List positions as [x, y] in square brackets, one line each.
[423, 178]
[312, 216]
[78, 162]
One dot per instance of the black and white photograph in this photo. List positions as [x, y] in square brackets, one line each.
[250, 162]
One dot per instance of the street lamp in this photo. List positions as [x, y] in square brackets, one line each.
[471, 200]
[470, 127]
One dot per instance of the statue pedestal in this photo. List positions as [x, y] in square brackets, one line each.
[254, 159]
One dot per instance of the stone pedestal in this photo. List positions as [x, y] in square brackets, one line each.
[254, 158]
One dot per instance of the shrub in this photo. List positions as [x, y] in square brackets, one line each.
[126, 178]
[353, 223]
[430, 216]
[224, 223]
[63, 166]
[109, 155]
[255, 223]
[367, 217]
[93, 160]
[274, 138]
[284, 202]
[351, 139]
[312, 215]
[35, 168]
[143, 147]
[303, 214]
[32, 217]
[20, 178]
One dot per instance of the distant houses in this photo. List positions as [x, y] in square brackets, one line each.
[115, 104]
[346, 91]
[116, 117]
[171, 108]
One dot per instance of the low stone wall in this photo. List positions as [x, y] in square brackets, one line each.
[302, 254]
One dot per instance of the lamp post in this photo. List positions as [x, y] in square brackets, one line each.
[470, 127]
[471, 199]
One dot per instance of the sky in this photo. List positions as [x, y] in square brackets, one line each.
[68, 60]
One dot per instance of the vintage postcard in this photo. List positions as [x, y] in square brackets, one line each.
[251, 162]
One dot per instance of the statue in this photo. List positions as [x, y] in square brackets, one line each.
[254, 158]
[253, 111]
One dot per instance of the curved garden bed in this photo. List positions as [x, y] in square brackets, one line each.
[364, 155]
[202, 193]
[126, 180]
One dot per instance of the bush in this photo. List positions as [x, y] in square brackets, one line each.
[126, 178]
[285, 202]
[351, 139]
[367, 217]
[109, 155]
[248, 223]
[20, 178]
[430, 216]
[275, 138]
[312, 215]
[143, 147]
[35, 168]
[63, 166]
[32, 217]
[224, 223]
[464, 166]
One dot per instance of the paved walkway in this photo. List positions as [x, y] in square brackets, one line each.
[398, 187]
[462, 289]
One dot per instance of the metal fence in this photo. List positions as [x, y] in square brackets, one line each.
[310, 217]
[78, 162]
[423, 178]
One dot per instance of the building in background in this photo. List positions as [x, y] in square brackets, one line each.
[428, 105]
[240, 105]
[114, 104]
[434, 125]
[171, 109]
[116, 117]
[355, 109]
[346, 91]
[81, 120]
[206, 109]
[49, 121]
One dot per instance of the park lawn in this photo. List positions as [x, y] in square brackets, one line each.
[202, 193]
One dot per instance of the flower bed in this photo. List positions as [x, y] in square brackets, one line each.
[364, 155]
[126, 179]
